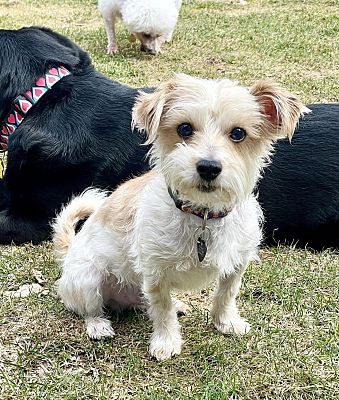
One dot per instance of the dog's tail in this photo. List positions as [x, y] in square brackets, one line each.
[64, 225]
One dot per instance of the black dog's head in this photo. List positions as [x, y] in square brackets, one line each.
[27, 53]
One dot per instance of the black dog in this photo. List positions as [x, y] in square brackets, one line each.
[77, 135]
[300, 190]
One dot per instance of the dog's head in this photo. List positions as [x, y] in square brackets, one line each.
[211, 138]
[150, 41]
[152, 22]
[28, 53]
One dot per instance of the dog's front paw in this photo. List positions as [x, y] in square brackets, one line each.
[112, 49]
[236, 325]
[99, 328]
[163, 348]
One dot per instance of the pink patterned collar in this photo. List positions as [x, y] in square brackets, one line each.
[202, 213]
[24, 102]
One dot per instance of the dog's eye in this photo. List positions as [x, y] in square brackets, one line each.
[238, 134]
[185, 130]
[147, 35]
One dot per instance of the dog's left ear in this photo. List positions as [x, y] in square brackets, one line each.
[149, 108]
[280, 108]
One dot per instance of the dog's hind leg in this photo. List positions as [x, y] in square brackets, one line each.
[19, 230]
[224, 312]
[80, 289]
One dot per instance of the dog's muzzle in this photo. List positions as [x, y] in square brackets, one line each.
[147, 50]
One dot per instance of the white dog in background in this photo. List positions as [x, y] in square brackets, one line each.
[189, 221]
[151, 21]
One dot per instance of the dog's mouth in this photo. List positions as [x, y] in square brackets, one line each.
[206, 187]
[147, 50]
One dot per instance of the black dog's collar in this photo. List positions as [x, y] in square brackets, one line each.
[24, 102]
[199, 212]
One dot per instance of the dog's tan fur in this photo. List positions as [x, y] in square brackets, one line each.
[118, 211]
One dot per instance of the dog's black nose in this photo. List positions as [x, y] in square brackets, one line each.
[209, 169]
[148, 50]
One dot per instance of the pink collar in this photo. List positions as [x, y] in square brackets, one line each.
[24, 102]
[202, 213]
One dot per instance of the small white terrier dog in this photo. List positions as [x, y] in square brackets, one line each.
[189, 221]
[151, 21]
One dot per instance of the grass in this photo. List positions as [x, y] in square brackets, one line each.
[290, 299]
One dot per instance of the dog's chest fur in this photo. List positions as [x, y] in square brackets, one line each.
[139, 231]
[164, 241]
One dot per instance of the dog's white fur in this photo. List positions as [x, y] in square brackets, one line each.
[137, 245]
[151, 21]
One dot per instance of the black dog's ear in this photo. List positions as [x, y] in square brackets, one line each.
[27, 53]
[77, 58]
[55, 48]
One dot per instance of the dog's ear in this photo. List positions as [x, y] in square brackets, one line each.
[27, 53]
[61, 49]
[280, 108]
[149, 108]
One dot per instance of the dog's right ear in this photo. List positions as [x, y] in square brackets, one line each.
[149, 109]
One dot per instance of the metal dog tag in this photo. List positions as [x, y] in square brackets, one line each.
[201, 248]
[202, 235]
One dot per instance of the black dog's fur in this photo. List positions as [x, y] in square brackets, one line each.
[79, 135]
[300, 189]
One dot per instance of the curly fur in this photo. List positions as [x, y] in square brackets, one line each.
[151, 21]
